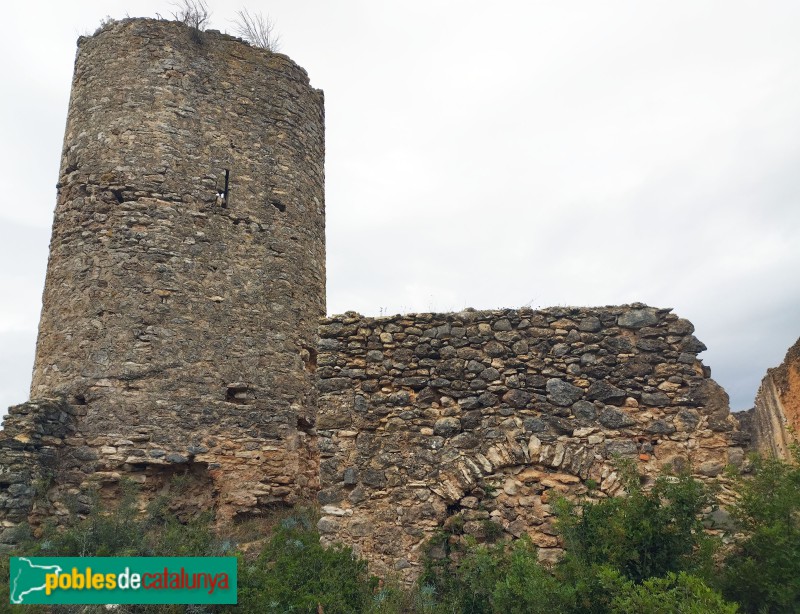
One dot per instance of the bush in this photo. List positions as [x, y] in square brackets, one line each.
[257, 29]
[619, 550]
[645, 552]
[194, 13]
[294, 573]
[673, 593]
[643, 534]
[463, 583]
[124, 531]
[762, 572]
[497, 579]
[529, 588]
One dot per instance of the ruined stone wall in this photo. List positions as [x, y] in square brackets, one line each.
[776, 415]
[31, 442]
[473, 420]
[179, 335]
[184, 330]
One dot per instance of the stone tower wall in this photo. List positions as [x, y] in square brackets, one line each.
[183, 331]
[472, 421]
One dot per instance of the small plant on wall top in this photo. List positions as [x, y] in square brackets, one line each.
[194, 13]
[257, 30]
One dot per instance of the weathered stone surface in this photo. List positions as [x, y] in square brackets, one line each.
[660, 427]
[656, 399]
[591, 324]
[31, 444]
[447, 427]
[584, 410]
[680, 327]
[605, 392]
[517, 398]
[185, 327]
[615, 419]
[523, 420]
[638, 318]
[622, 447]
[692, 345]
[720, 519]
[776, 416]
[562, 393]
[711, 468]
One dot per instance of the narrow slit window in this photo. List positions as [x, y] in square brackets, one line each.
[223, 194]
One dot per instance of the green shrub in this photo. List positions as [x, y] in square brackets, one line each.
[762, 572]
[294, 573]
[645, 552]
[643, 534]
[464, 583]
[528, 588]
[673, 593]
[125, 531]
[492, 530]
[102, 532]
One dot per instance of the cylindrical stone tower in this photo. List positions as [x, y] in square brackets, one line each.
[187, 265]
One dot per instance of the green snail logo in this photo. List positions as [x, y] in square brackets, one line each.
[29, 578]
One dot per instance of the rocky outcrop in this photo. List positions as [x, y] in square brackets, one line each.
[473, 421]
[776, 415]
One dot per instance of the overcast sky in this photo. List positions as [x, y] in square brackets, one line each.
[499, 154]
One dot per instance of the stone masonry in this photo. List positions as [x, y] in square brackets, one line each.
[475, 419]
[180, 335]
[31, 443]
[179, 321]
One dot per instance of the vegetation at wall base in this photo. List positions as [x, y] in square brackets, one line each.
[762, 571]
[294, 573]
[644, 553]
[645, 534]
